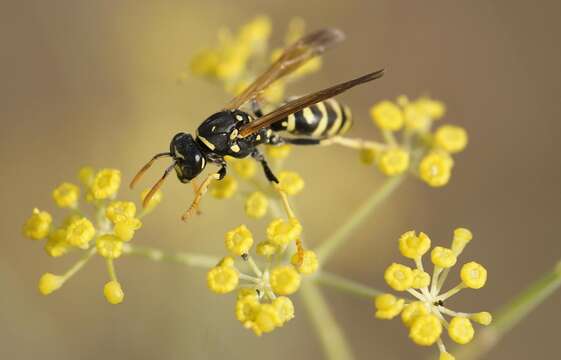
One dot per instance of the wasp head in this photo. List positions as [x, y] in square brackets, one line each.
[188, 158]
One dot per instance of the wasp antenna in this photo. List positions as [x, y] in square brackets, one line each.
[146, 167]
[157, 186]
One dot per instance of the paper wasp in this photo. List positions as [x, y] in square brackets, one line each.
[310, 119]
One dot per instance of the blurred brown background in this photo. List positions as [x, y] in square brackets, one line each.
[94, 82]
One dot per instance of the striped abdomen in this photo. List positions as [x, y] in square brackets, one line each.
[322, 120]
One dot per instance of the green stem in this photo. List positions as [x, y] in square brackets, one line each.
[189, 259]
[346, 285]
[331, 336]
[329, 246]
[512, 313]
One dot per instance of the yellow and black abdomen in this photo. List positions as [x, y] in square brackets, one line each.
[322, 120]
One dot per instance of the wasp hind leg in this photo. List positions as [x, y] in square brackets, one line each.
[201, 191]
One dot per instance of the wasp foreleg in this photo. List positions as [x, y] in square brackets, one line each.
[201, 191]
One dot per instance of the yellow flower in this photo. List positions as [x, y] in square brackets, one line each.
[412, 246]
[393, 161]
[222, 279]
[246, 307]
[225, 188]
[205, 63]
[106, 184]
[265, 248]
[421, 279]
[126, 228]
[239, 240]
[416, 118]
[309, 263]
[256, 205]
[109, 246]
[433, 108]
[461, 238]
[368, 156]
[86, 175]
[461, 330]
[446, 356]
[285, 280]
[282, 232]
[120, 210]
[278, 151]
[155, 200]
[412, 311]
[387, 116]
[399, 277]
[56, 245]
[244, 168]
[80, 232]
[425, 330]
[290, 182]
[435, 168]
[442, 257]
[37, 227]
[473, 275]
[451, 138]
[49, 283]
[66, 195]
[266, 319]
[285, 308]
[113, 292]
[482, 318]
[388, 306]
[257, 30]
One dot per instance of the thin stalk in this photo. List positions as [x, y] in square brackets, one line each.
[332, 338]
[189, 259]
[329, 246]
[346, 285]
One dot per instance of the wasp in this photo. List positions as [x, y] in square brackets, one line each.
[308, 120]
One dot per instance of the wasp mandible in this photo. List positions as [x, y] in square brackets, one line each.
[310, 120]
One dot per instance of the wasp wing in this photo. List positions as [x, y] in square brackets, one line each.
[292, 58]
[303, 102]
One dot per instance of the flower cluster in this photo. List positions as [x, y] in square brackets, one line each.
[409, 143]
[238, 57]
[262, 303]
[424, 315]
[110, 226]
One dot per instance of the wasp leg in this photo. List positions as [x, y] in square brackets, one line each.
[278, 140]
[257, 155]
[195, 190]
[256, 108]
[201, 191]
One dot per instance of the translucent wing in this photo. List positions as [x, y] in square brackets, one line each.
[305, 101]
[291, 59]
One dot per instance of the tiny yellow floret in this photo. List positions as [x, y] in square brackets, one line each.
[460, 330]
[412, 246]
[56, 245]
[80, 232]
[433, 108]
[399, 277]
[225, 188]
[266, 320]
[450, 138]
[125, 229]
[86, 175]
[388, 306]
[278, 151]
[290, 182]
[239, 240]
[244, 168]
[308, 265]
[222, 279]
[38, 225]
[120, 210]
[256, 205]
[482, 318]
[421, 279]
[106, 184]
[281, 232]
[246, 306]
[473, 275]
[285, 308]
[66, 195]
[436, 168]
[443, 257]
[113, 292]
[393, 161]
[49, 283]
[461, 238]
[387, 115]
[109, 246]
[412, 311]
[285, 280]
[425, 330]
[266, 249]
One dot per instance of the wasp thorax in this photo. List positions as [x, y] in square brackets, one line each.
[219, 133]
[188, 156]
